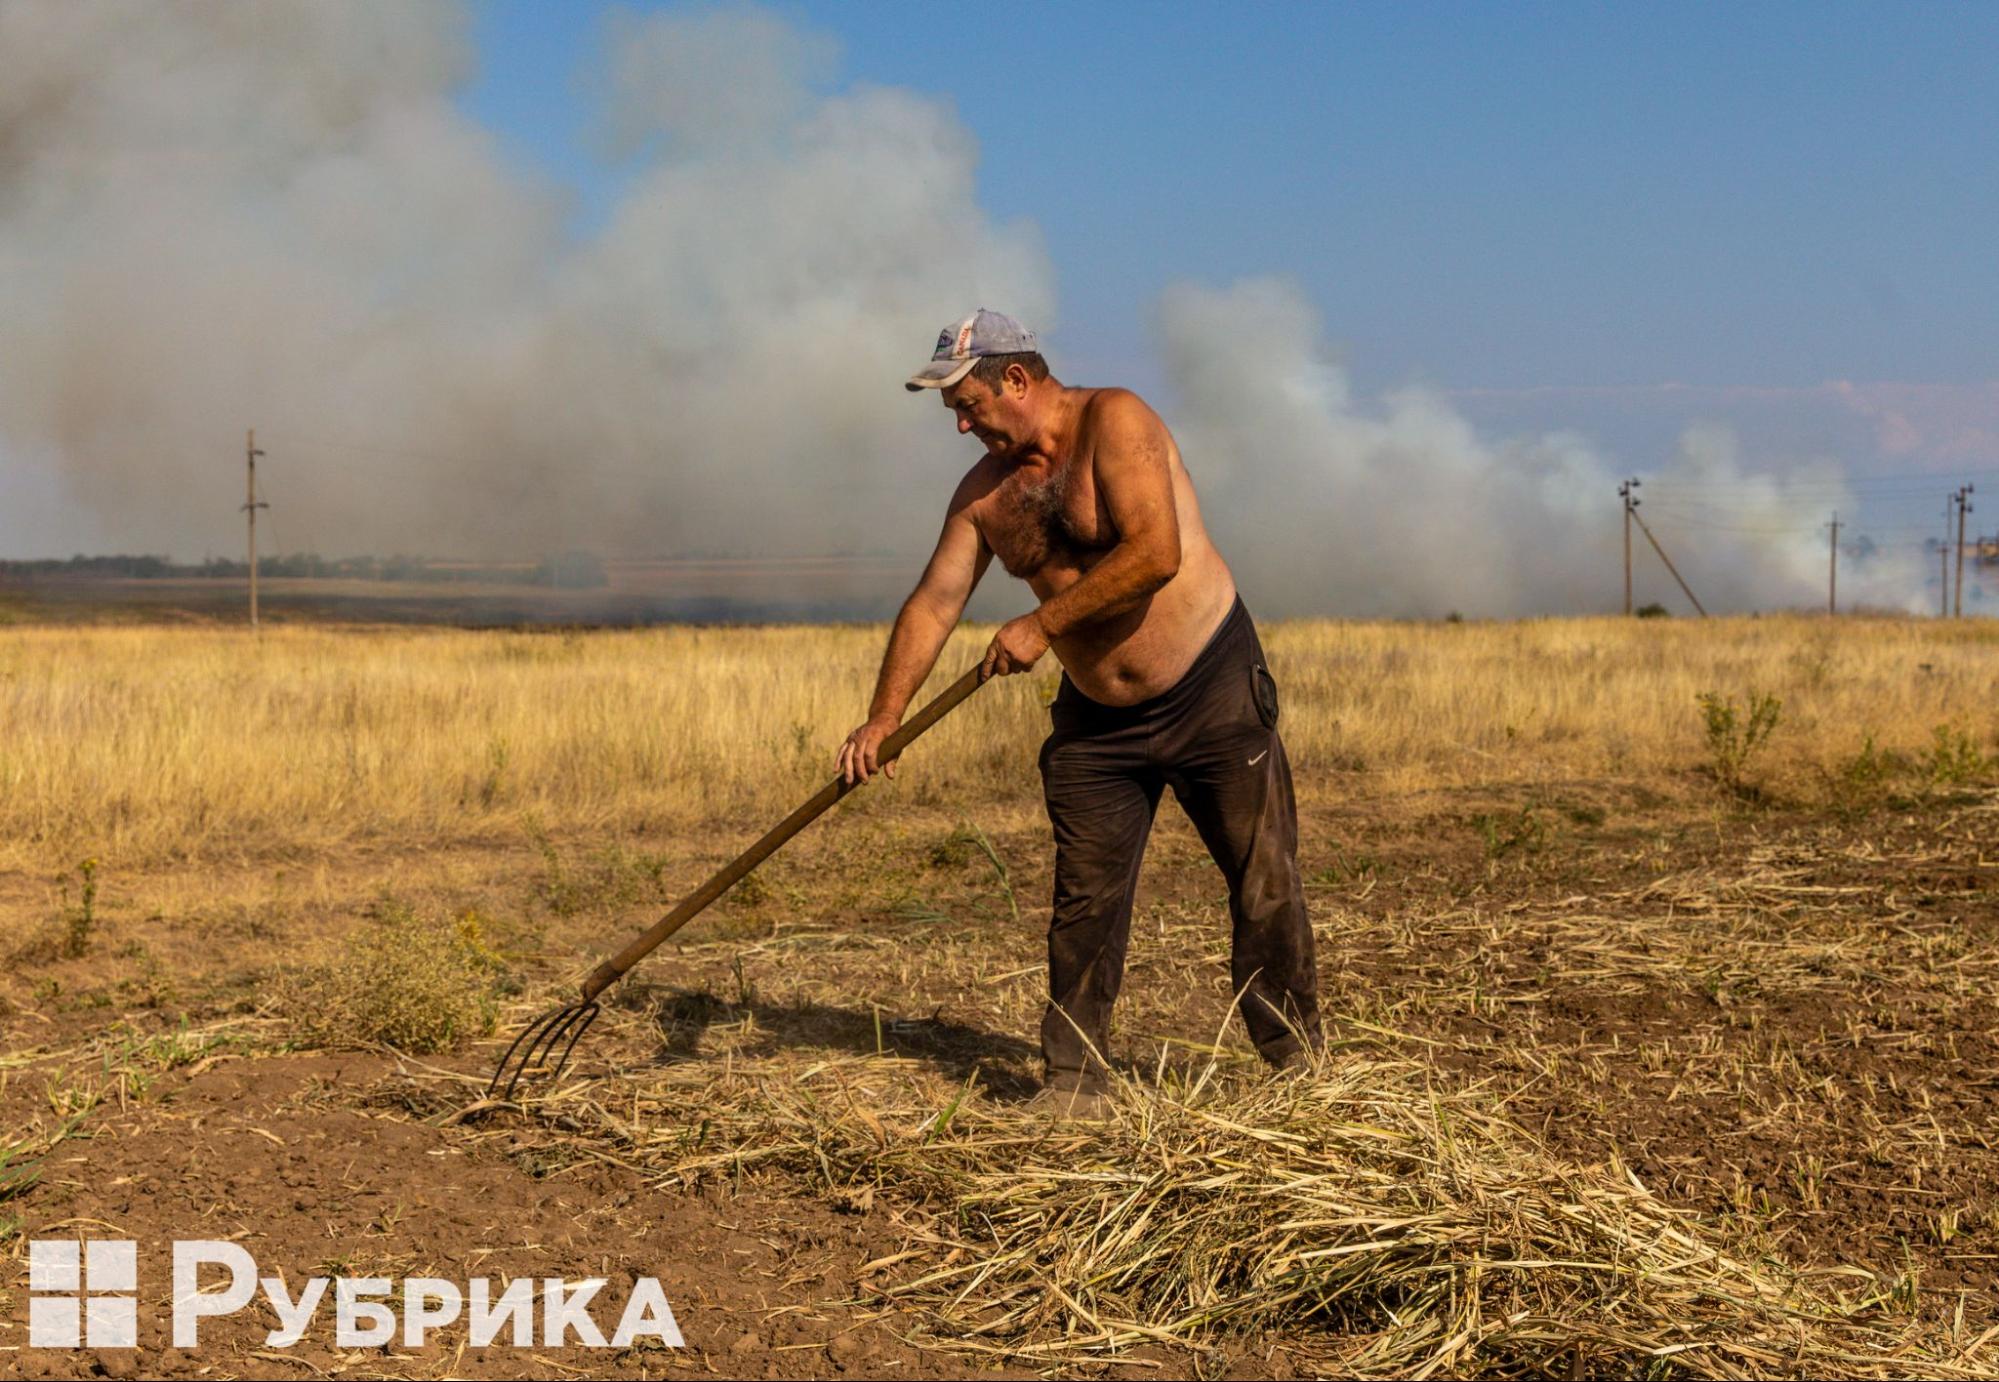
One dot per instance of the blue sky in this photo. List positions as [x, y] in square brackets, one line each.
[1743, 251]
[1476, 196]
[1619, 221]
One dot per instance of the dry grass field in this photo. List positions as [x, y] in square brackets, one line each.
[139, 746]
[1658, 960]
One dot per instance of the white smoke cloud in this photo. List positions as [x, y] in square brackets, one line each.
[1323, 503]
[216, 215]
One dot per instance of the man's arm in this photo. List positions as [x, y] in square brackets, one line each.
[1135, 481]
[926, 621]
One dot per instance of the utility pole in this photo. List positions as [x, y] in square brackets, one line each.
[1832, 574]
[1627, 492]
[1943, 561]
[250, 507]
[1645, 529]
[1963, 508]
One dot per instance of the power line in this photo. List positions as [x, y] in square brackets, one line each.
[1734, 507]
[1910, 479]
[1777, 485]
[1684, 525]
[1771, 522]
[1632, 510]
[1693, 513]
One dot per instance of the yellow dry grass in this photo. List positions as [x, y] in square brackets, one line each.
[142, 745]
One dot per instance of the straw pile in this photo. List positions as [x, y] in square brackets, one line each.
[1366, 1219]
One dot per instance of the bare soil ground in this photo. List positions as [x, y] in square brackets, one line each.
[1780, 1020]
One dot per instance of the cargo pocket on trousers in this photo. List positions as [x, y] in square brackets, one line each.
[1264, 687]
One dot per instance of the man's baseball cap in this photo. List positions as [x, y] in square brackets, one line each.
[960, 345]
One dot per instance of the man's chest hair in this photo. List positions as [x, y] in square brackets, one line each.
[1031, 522]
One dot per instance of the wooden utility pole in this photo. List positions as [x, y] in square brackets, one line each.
[1963, 508]
[250, 507]
[1832, 573]
[1943, 561]
[1627, 492]
[1643, 528]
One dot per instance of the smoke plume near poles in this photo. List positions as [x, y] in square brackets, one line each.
[1326, 503]
[214, 215]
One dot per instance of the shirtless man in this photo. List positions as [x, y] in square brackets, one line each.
[1081, 493]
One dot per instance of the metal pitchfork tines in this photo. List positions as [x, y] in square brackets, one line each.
[537, 1042]
[553, 1035]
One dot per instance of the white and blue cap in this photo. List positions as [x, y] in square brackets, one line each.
[960, 345]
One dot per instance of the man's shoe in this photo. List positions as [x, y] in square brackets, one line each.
[1069, 1105]
[1298, 1061]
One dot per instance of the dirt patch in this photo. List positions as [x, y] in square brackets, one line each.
[303, 1162]
[1779, 1023]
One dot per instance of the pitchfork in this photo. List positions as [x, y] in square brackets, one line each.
[563, 1027]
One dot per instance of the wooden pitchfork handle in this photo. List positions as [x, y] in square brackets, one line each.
[614, 969]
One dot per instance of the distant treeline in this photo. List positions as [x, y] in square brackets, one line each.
[569, 571]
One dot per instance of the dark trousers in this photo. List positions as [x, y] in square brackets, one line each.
[1213, 739]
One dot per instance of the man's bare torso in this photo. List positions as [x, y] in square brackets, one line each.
[1047, 525]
